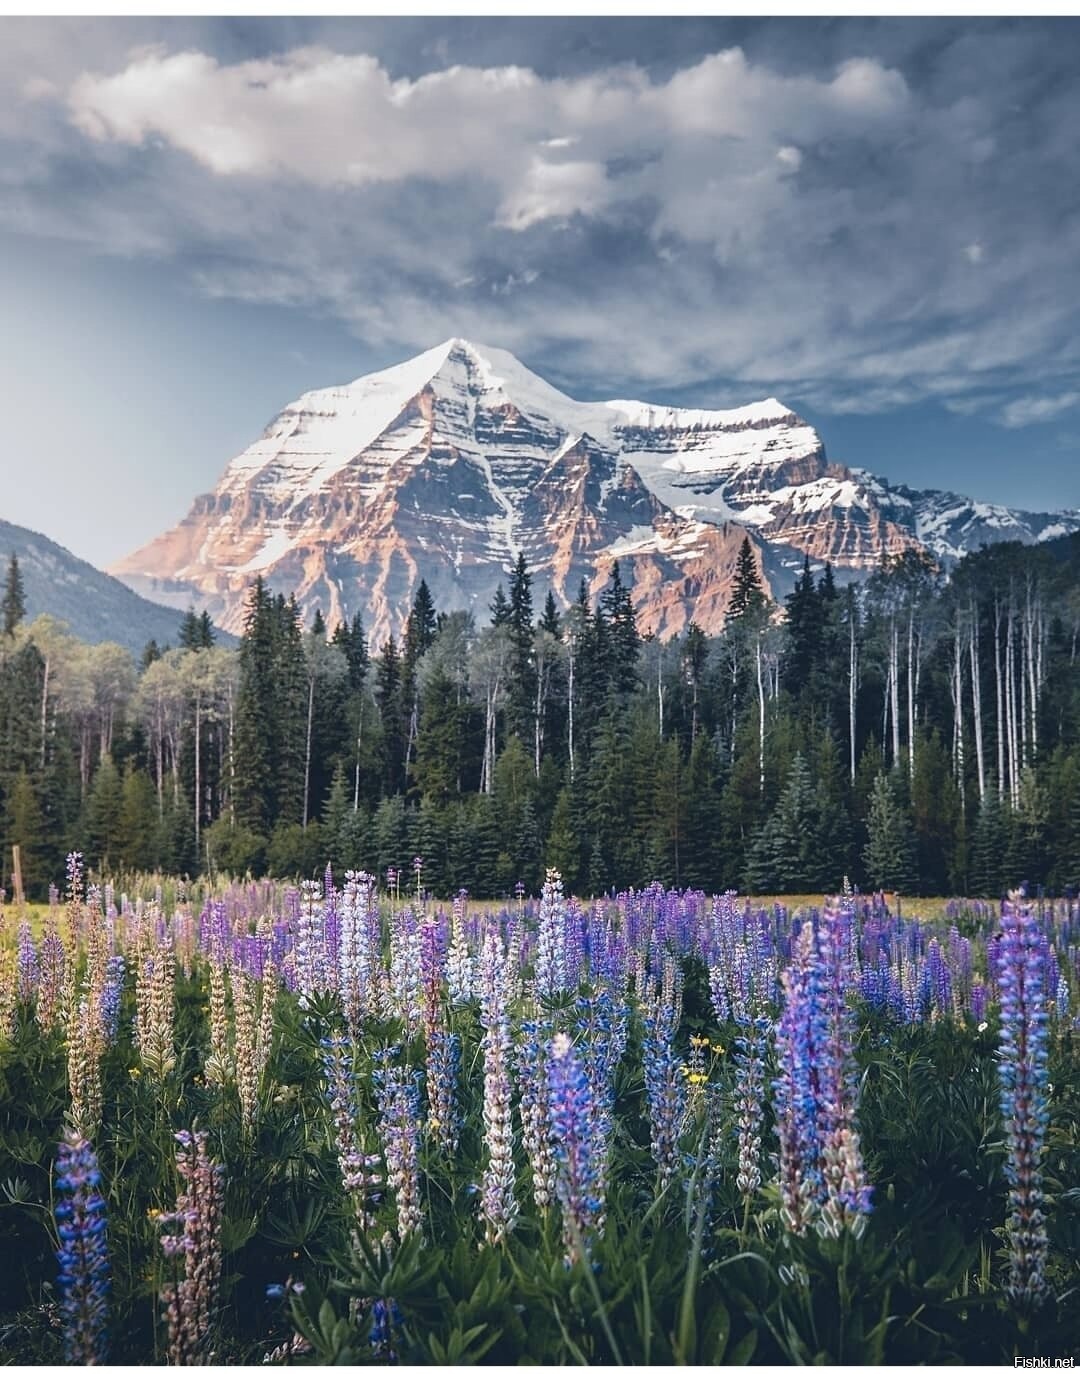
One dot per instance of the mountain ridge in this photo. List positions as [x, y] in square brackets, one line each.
[448, 465]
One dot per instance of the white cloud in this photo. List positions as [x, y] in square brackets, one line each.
[806, 229]
[1035, 410]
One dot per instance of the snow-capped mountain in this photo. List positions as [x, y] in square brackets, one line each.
[448, 465]
[94, 606]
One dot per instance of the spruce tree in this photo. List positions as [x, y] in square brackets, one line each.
[747, 592]
[889, 853]
[256, 714]
[14, 603]
[522, 694]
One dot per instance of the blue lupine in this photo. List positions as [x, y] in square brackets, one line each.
[577, 1179]
[497, 1195]
[83, 1254]
[1024, 1092]
[397, 1091]
[111, 995]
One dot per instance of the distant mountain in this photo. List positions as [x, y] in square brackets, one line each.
[94, 605]
[448, 465]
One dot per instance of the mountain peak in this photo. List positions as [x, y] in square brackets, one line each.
[449, 464]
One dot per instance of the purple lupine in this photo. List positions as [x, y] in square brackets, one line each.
[1024, 1091]
[749, 1059]
[571, 1116]
[191, 1303]
[358, 946]
[83, 1254]
[397, 1093]
[443, 1049]
[665, 1087]
[359, 1176]
[533, 1106]
[550, 967]
[846, 1200]
[800, 1034]
[497, 1203]
[405, 999]
[29, 971]
[111, 996]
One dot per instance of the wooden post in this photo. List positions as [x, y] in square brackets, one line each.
[16, 876]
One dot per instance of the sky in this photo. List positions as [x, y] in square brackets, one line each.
[877, 221]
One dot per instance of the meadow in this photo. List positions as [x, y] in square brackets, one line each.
[345, 1123]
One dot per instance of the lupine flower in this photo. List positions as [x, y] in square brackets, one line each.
[50, 979]
[1023, 1074]
[497, 1202]
[534, 1107]
[571, 1110]
[749, 1060]
[358, 1170]
[460, 971]
[29, 971]
[665, 1087]
[800, 1034]
[398, 1095]
[111, 997]
[83, 1253]
[358, 946]
[191, 1303]
[551, 976]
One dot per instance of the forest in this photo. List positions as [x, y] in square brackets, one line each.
[914, 733]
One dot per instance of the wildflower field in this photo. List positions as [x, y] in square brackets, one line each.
[332, 1124]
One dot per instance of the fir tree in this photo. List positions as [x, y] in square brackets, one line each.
[747, 592]
[889, 853]
[14, 603]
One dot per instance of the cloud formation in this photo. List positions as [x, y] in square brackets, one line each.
[858, 229]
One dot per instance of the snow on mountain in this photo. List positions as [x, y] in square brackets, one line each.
[448, 465]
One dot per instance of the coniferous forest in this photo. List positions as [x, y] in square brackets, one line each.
[914, 733]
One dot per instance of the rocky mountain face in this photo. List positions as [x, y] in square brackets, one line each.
[94, 606]
[448, 465]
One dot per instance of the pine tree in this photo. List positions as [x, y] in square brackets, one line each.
[101, 826]
[138, 823]
[563, 849]
[989, 847]
[522, 695]
[804, 623]
[14, 603]
[256, 714]
[24, 825]
[624, 641]
[889, 854]
[391, 714]
[747, 592]
[500, 607]
[788, 853]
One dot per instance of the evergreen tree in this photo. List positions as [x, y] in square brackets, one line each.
[24, 826]
[500, 607]
[14, 604]
[522, 695]
[889, 854]
[804, 623]
[388, 698]
[624, 643]
[256, 714]
[989, 847]
[104, 839]
[747, 592]
[138, 823]
[563, 850]
[788, 855]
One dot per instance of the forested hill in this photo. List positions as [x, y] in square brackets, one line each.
[911, 733]
[93, 605]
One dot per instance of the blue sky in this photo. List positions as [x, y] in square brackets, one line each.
[876, 220]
